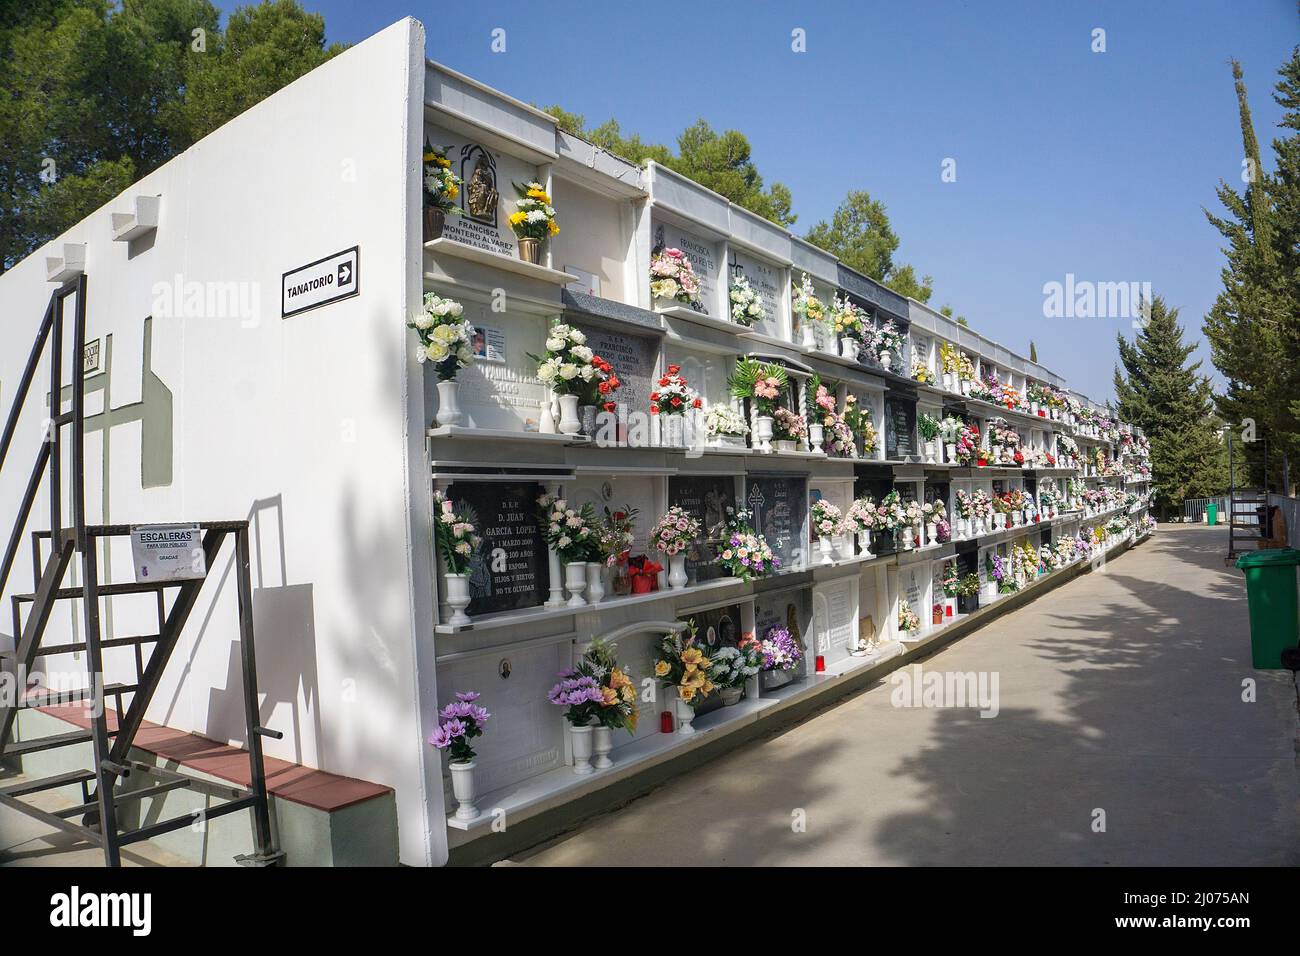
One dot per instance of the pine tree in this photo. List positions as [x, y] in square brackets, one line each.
[1172, 403]
[1254, 326]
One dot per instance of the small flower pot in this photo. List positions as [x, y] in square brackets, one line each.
[685, 714]
[575, 581]
[642, 583]
[581, 742]
[730, 696]
[784, 446]
[464, 788]
[434, 220]
[457, 598]
[587, 420]
[530, 250]
[449, 411]
[677, 571]
[602, 744]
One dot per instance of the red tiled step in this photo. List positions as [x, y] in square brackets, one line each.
[289, 781]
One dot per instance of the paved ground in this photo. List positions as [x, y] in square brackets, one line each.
[28, 842]
[1120, 692]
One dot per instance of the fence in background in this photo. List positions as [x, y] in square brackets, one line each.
[1194, 508]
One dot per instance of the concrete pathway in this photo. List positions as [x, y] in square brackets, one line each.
[25, 841]
[1120, 694]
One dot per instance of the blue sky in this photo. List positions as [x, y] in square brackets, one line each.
[1067, 161]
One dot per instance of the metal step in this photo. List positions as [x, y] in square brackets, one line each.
[108, 590]
[72, 648]
[47, 783]
[72, 696]
[20, 747]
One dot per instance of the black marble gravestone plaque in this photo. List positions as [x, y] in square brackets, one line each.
[780, 507]
[509, 570]
[707, 497]
[900, 428]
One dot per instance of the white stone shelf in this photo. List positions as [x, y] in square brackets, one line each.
[700, 318]
[450, 247]
[503, 434]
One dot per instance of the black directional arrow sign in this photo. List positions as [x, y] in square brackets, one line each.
[321, 282]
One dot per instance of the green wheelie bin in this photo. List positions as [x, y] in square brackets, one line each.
[1271, 596]
[1212, 513]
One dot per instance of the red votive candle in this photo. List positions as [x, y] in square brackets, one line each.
[947, 610]
[821, 664]
[666, 722]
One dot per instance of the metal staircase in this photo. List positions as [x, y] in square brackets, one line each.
[102, 795]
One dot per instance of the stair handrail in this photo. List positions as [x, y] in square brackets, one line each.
[50, 335]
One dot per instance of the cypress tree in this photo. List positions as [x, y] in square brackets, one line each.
[1168, 398]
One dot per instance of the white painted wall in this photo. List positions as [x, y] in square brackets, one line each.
[306, 424]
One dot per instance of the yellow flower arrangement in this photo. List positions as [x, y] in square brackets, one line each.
[534, 216]
[441, 185]
[684, 666]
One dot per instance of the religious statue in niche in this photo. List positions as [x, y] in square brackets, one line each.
[481, 194]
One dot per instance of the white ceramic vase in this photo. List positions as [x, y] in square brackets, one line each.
[816, 436]
[595, 581]
[457, 598]
[570, 423]
[464, 788]
[449, 411]
[580, 739]
[932, 532]
[886, 360]
[824, 546]
[671, 430]
[677, 571]
[907, 537]
[929, 453]
[763, 432]
[546, 417]
[809, 340]
[575, 580]
[864, 543]
[951, 449]
[849, 349]
[685, 714]
[602, 744]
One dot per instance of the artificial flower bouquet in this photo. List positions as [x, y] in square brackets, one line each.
[673, 277]
[600, 389]
[567, 367]
[888, 340]
[675, 531]
[995, 571]
[907, 618]
[861, 517]
[921, 372]
[804, 302]
[746, 303]
[441, 185]
[534, 216]
[949, 360]
[847, 319]
[826, 518]
[572, 532]
[788, 426]
[683, 666]
[672, 395]
[890, 513]
[760, 382]
[617, 708]
[724, 421]
[968, 446]
[840, 435]
[445, 335]
[454, 535]
[579, 694]
[781, 652]
[746, 554]
[733, 666]
[458, 723]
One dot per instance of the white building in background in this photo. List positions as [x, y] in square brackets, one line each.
[253, 361]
